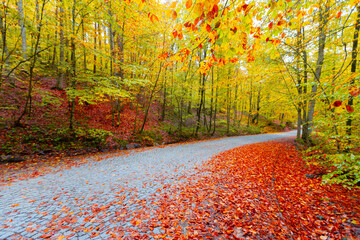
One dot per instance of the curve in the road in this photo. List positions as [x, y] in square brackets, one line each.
[88, 200]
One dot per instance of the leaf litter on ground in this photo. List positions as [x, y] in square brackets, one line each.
[257, 191]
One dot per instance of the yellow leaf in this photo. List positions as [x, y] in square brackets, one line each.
[354, 222]
[61, 237]
[173, 4]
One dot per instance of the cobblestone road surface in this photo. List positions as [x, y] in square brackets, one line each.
[69, 202]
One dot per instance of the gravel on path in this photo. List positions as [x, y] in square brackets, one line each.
[92, 200]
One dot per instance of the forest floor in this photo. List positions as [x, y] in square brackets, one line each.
[229, 188]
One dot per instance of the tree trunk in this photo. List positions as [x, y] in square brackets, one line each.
[324, 16]
[95, 43]
[4, 52]
[211, 100]
[164, 98]
[61, 73]
[83, 41]
[228, 106]
[150, 100]
[305, 126]
[235, 104]
[73, 66]
[111, 40]
[215, 110]
[28, 103]
[250, 107]
[299, 87]
[353, 67]
[22, 29]
[201, 97]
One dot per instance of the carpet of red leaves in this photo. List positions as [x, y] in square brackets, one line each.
[258, 191]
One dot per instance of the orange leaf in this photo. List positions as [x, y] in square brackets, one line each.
[271, 25]
[208, 28]
[354, 91]
[188, 4]
[338, 14]
[94, 234]
[349, 108]
[180, 36]
[175, 33]
[174, 15]
[196, 21]
[15, 205]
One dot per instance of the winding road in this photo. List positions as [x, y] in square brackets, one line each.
[100, 197]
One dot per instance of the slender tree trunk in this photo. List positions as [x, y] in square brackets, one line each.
[353, 67]
[150, 100]
[28, 103]
[305, 125]
[324, 16]
[95, 43]
[100, 49]
[163, 109]
[235, 104]
[228, 107]
[4, 52]
[211, 100]
[250, 106]
[73, 66]
[53, 57]
[201, 96]
[256, 117]
[299, 87]
[215, 110]
[84, 47]
[22, 29]
[61, 73]
[111, 40]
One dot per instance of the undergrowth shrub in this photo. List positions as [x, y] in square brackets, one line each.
[121, 142]
[149, 138]
[250, 130]
[345, 169]
[338, 168]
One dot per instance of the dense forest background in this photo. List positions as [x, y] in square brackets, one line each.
[88, 75]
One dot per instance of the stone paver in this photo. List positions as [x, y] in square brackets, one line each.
[102, 195]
